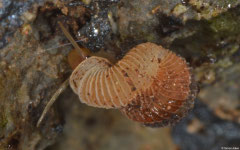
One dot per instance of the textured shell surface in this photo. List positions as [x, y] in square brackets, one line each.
[149, 84]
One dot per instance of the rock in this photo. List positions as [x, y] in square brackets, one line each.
[209, 132]
[205, 32]
[28, 77]
[101, 129]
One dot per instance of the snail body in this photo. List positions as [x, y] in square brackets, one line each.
[150, 84]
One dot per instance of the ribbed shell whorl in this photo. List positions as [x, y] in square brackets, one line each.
[149, 84]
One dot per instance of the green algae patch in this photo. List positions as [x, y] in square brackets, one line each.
[226, 23]
[3, 121]
[3, 118]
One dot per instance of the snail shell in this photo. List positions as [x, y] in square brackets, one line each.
[149, 84]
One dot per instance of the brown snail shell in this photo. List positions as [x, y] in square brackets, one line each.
[149, 84]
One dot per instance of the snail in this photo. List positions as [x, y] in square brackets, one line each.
[150, 84]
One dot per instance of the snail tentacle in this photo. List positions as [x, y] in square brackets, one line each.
[82, 52]
[52, 100]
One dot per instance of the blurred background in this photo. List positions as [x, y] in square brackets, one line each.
[34, 63]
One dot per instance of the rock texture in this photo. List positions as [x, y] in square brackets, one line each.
[205, 32]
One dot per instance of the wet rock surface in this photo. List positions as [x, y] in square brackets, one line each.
[100, 129]
[13, 14]
[205, 32]
[27, 78]
[203, 130]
